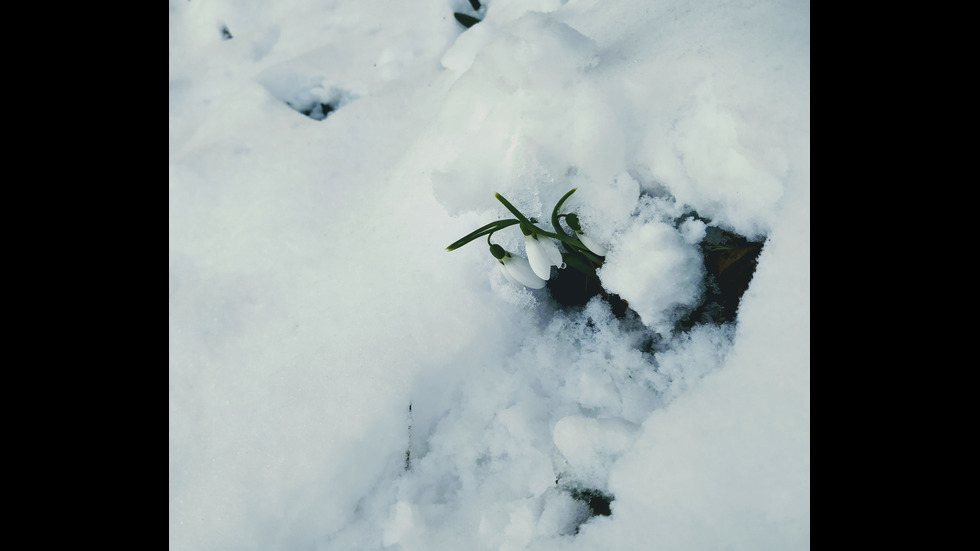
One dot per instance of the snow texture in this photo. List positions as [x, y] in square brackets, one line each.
[338, 381]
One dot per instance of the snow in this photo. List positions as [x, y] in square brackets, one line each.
[339, 381]
[656, 271]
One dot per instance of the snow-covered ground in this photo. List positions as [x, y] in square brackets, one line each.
[339, 381]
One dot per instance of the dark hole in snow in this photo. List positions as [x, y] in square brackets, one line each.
[730, 263]
[466, 20]
[316, 110]
[598, 502]
[574, 288]
[312, 96]
[408, 450]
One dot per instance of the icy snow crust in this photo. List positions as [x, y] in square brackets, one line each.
[339, 381]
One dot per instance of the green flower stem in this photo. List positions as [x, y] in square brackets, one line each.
[570, 241]
[554, 213]
[513, 209]
[536, 229]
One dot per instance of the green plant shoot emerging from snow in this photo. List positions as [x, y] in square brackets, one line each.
[581, 253]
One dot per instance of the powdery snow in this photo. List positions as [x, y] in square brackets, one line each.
[339, 381]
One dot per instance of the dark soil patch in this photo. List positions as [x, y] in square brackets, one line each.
[729, 264]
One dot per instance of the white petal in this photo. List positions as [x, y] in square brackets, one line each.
[518, 269]
[591, 245]
[506, 271]
[551, 251]
[537, 257]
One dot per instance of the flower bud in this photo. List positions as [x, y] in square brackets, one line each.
[497, 251]
[572, 221]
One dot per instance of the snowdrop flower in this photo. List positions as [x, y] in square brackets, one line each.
[542, 253]
[585, 239]
[516, 268]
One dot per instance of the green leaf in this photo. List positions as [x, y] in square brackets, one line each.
[573, 243]
[574, 260]
[480, 232]
[588, 254]
[554, 213]
[513, 209]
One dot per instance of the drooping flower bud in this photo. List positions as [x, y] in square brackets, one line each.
[591, 245]
[572, 221]
[516, 269]
[542, 253]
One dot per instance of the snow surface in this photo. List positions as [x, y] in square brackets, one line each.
[312, 300]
